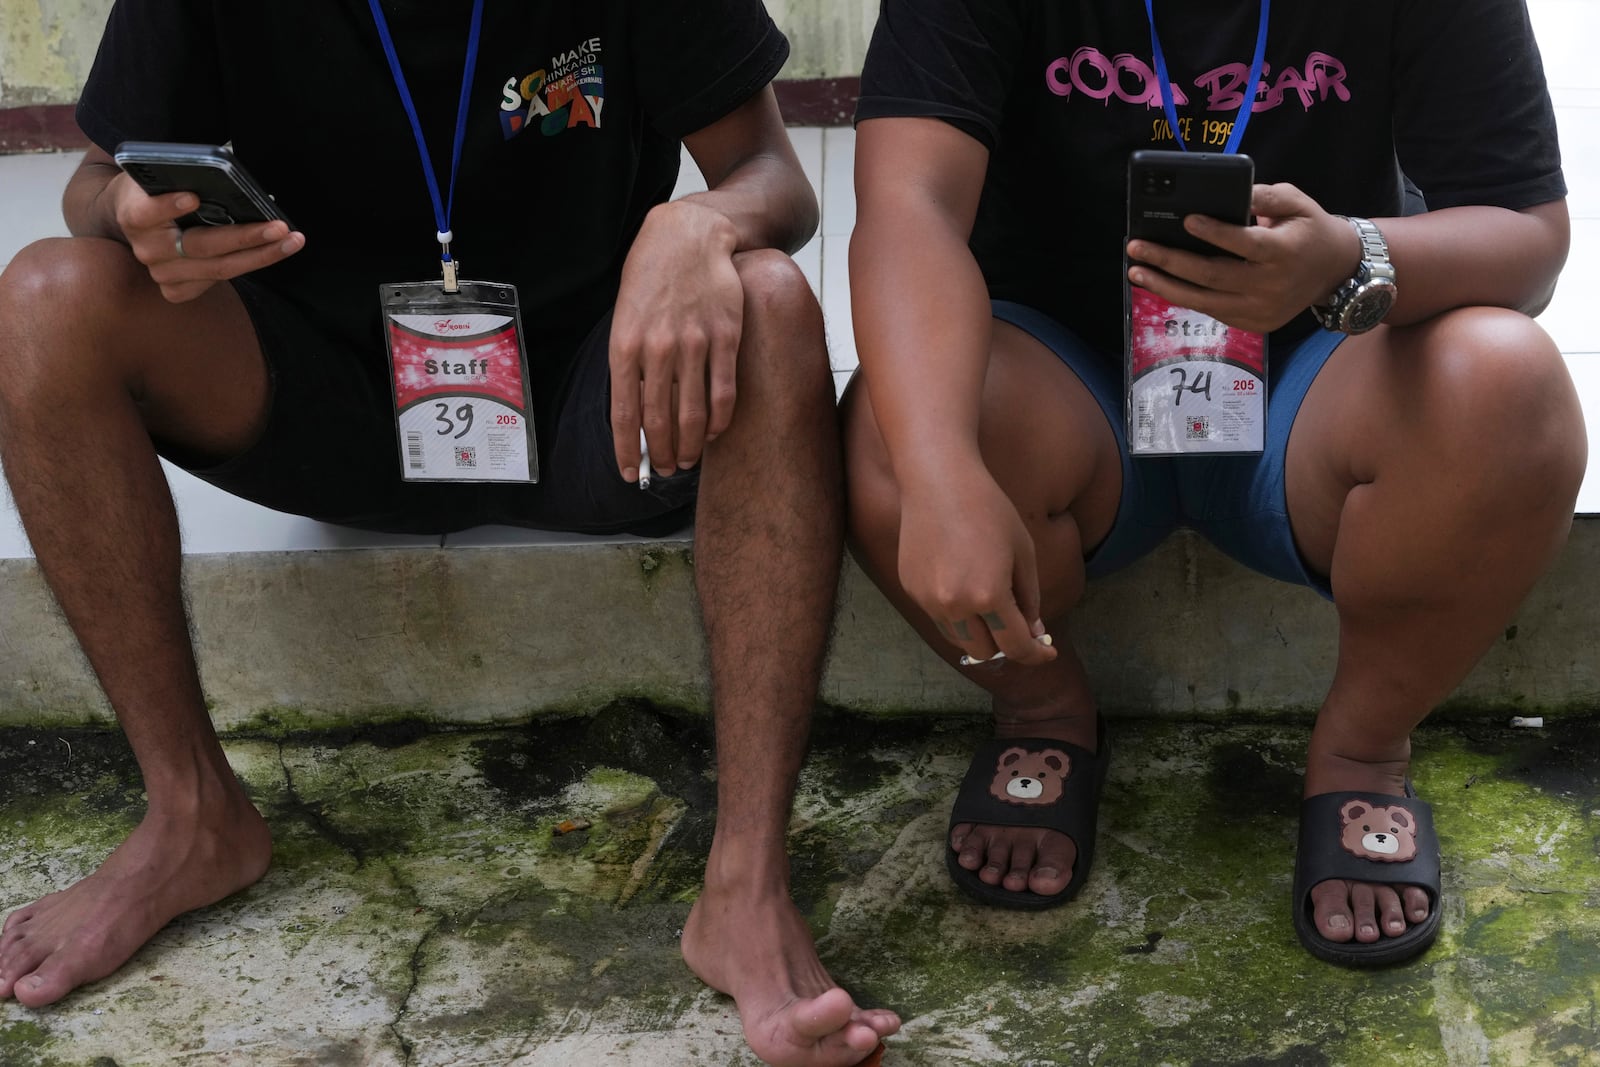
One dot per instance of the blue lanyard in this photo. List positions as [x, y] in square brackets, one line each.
[1243, 118]
[441, 207]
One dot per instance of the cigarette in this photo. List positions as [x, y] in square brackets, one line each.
[968, 661]
[644, 460]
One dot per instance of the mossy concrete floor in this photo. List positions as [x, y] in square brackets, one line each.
[420, 910]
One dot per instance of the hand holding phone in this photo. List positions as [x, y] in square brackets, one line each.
[228, 194]
[232, 226]
[1260, 257]
[1166, 187]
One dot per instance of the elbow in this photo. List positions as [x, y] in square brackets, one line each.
[1556, 241]
[805, 212]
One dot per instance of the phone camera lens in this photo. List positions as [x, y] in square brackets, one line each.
[1160, 183]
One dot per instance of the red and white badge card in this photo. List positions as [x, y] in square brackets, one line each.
[1194, 384]
[459, 367]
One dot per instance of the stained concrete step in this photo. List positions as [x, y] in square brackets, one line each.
[493, 634]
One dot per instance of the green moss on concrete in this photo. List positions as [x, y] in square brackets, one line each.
[419, 894]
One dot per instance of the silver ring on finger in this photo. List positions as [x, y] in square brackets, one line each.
[178, 243]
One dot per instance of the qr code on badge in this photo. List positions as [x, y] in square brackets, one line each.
[1198, 428]
[466, 456]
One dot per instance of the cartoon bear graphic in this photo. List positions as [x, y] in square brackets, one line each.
[1382, 834]
[1024, 777]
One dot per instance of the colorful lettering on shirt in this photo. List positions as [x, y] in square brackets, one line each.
[571, 92]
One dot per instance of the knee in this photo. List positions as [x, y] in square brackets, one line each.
[54, 297]
[777, 295]
[783, 348]
[1511, 400]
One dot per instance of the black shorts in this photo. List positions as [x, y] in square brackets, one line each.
[330, 450]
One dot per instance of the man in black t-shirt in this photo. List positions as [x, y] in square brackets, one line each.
[255, 357]
[1421, 474]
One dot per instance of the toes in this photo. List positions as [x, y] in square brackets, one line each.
[1052, 870]
[17, 960]
[1022, 854]
[959, 834]
[1390, 916]
[974, 843]
[44, 986]
[1330, 910]
[882, 1021]
[15, 923]
[997, 861]
[1416, 903]
[1364, 907]
[822, 1015]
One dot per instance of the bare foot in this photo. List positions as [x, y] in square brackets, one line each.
[1022, 858]
[756, 948]
[166, 867]
[1361, 911]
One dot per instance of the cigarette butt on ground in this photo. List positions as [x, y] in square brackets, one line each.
[1529, 722]
[567, 826]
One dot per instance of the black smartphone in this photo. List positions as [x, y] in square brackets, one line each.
[227, 192]
[1163, 187]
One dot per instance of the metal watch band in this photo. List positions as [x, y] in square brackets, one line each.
[1361, 301]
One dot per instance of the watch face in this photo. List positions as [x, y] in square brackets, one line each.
[1368, 307]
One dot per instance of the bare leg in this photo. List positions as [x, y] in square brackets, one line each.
[767, 550]
[1047, 444]
[1432, 474]
[87, 341]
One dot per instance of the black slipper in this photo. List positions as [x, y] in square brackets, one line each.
[1367, 837]
[1031, 781]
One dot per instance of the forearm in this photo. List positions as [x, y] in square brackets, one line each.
[84, 205]
[767, 201]
[923, 328]
[1476, 257]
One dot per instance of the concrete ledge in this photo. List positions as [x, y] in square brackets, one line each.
[481, 635]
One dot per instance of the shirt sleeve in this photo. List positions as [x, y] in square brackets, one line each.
[698, 60]
[1473, 121]
[944, 59]
[155, 77]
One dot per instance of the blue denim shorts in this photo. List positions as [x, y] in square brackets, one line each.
[1235, 502]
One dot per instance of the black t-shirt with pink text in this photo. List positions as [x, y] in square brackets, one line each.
[1449, 92]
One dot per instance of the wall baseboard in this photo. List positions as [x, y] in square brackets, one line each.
[818, 101]
[51, 127]
[40, 128]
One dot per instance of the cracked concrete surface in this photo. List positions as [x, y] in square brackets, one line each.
[420, 911]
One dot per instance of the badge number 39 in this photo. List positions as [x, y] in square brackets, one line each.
[460, 398]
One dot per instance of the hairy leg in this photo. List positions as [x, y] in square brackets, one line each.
[98, 513]
[1432, 475]
[768, 543]
[1046, 442]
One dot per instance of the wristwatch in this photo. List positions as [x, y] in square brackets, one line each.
[1363, 300]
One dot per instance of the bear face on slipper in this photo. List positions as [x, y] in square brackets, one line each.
[1024, 777]
[1373, 832]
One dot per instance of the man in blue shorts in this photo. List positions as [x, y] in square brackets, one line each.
[1421, 473]
[255, 356]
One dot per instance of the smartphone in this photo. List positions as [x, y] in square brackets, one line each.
[1163, 187]
[227, 192]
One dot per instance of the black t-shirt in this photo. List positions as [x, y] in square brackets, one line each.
[573, 128]
[1452, 92]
